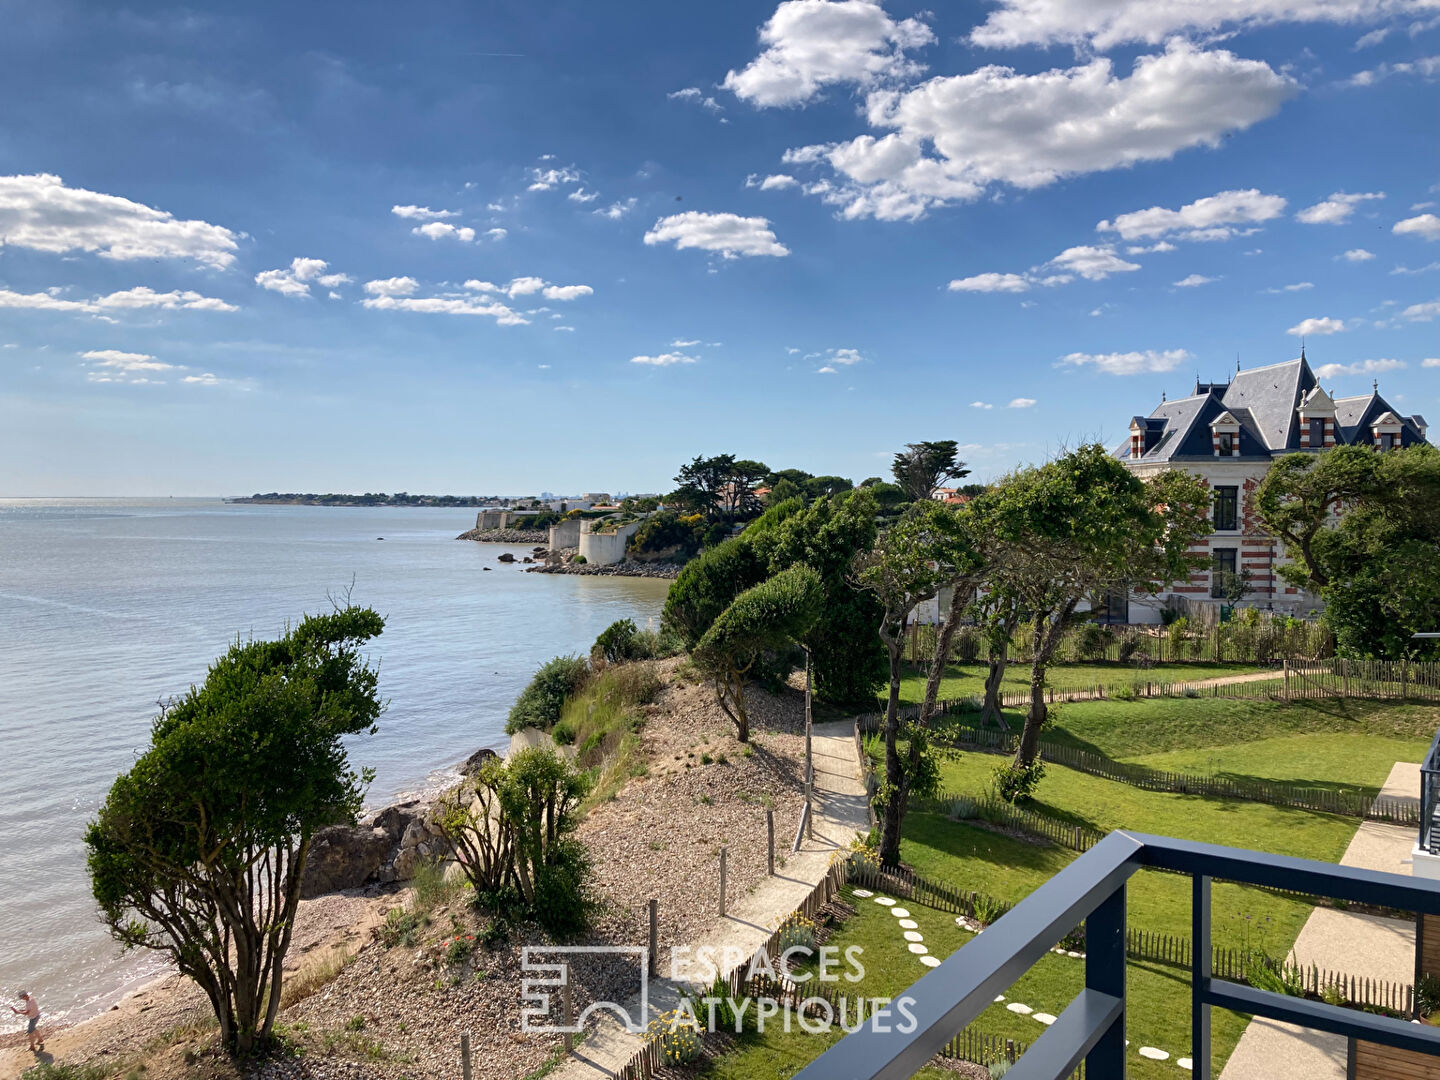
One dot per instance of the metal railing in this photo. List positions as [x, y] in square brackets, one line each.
[1430, 797]
[1092, 1029]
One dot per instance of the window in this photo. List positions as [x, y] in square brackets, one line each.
[1222, 572]
[1225, 514]
[1227, 443]
[1317, 431]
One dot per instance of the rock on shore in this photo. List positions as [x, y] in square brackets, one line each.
[628, 568]
[506, 536]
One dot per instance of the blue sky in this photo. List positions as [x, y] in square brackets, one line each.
[507, 247]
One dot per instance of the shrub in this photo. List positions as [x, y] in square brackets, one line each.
[433, 886]
[998, 1069]
[1427, 994]
[495, 935]
[1016, 783]
[985, 909]
[47, 1070]
[618, 642]
[401, 927]
[966, 644]
[563, 734]
[459, 947]
[796, 932]
[1094, 641]
[1129, 646]
[1124, 692]
[540, 703]
[579, 560]
[707, 585]
[677, 1034]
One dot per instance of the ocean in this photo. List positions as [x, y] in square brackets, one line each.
[110, 606]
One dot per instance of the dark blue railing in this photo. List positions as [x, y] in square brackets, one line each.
[1430, 798]
[1092, 1029]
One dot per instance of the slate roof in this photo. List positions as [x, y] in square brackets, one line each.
[1263, 401]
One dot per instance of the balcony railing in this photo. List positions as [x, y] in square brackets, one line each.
[1430, 798]
[1092, 1029]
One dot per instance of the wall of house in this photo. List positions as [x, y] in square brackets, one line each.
[565, 535]
[603, 549]
[1256, 552]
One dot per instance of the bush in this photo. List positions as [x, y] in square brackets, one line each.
[707, 585]
[1016, 783]
[540, 703]
[1093, 641]
[401, 927]
[563, 734]
[1124, 693]
[966, 644]
[1427, 995]
[617, 643]
[677, 1035]
[668, 532]
[796, 932]
[579, 560]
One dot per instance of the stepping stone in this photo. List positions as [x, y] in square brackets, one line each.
[1018, 1009]
[999, 998]
[864, 894]
[909, 924]
[1044, 1018]
[884, 900]
[1153, 1054]
[899, 912]
[917, 949]
[913, 935]
[1075, 955]
[1186, 1064]
[930, 961]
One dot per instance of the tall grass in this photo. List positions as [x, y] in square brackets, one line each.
[603, 722]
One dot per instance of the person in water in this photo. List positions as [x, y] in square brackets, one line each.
[31, 1012]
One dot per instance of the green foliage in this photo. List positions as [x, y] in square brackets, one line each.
[1277, 979]
[707, 585]
[796, 932]
[617, 642]
[677, 1035]
[54, 1070]
[668, 531]
[1017, 783]
[720, 487]
[540, 703]
[199, 849]
[922, 467]
[1427, 994]
[1363, 530]
[774, 515]
[402, 927]
[1094, 641]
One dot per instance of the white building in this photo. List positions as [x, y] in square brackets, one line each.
[1228, 434]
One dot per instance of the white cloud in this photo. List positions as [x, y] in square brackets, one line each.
[1422, 312]
[1194, 280]
[39, 212]
[1215, 217]
[1091, 263]
[422, 213]
[812, 44]
[567, 292]
[729, 234]
[1299, 286]
[693, 95]
[395, 286]
[1021, 403]
[617, 210]
[446, 305]
[1359, 367]
[204, 379]
[1159, 246]
[773, 182]
[562, 329]
[115, 366]
[981, 405]
[524, 286]
[128, 299]
[1416, 270]
[845, 357]
[991, 282]
[580, 195]
[1427, 67]
[1358, 255]
[1113, 22]
[667, 359]
[1129, 363]
[295, 279]
[497, 233]
[1335, 210]
[1425, 225]
[1430, 361]
[551, 178]
[482, 286]
[443, 230]
[680, 343]
[1310, 327]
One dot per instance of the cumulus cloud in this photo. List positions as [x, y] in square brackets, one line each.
[547, 179]
[729, 234]
[1427, 67]
[529, 286]
[1426, 226]
[116, 366]
[693, 95]
[39, 212]
[1312, 327]
[953, 137]
[1091, 263]
[1129, 363]
[1299, 286]
[1021, 403]
[617, 210]
[567, 292]
[395, 286]
[1422, 312]
[666, 359]
[773, 182]
[981, 405]
[295, 279]
[1215, 217]
[581, 195]
[125, 300]
[447, 305]
[422, 213]
[497, 233]
[1359, 367]
[1358, 255]
[1335, 210]
[443, 230]
[1194, 280]
[812, 44]
[1158, 246]
[990, 283]
[524, 286]
[1430, 361]
[1104, 25]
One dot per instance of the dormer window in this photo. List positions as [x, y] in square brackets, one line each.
[1225, 435]
[1227, 443]
[1387, 432]
[1317, 431]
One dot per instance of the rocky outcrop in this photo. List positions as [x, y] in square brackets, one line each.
[628, 568]
[505, 536]
[384, 848]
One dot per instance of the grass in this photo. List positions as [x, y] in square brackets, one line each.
[968, 680]
[602, 721]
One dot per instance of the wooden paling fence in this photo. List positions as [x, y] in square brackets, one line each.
[1385, 680]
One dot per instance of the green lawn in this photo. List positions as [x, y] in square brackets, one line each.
[1159, 996]
[968, 680]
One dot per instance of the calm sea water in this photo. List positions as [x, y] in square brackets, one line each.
[108, 606]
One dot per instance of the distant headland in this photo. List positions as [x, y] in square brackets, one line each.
[379, 498]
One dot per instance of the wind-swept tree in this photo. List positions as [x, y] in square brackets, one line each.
[1078, 527]
[199, 849]
[761, 622]
[924, 466]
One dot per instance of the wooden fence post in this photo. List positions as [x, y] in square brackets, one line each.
[569, 1005]
[770, 833]
[465, 1056]
[654, 938]
[722, 882]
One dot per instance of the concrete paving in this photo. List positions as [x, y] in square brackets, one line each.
[1363, 945]
[840, 814]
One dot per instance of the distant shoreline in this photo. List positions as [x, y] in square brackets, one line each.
[381, 499]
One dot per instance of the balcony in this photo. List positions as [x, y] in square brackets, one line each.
[1091, 1031]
